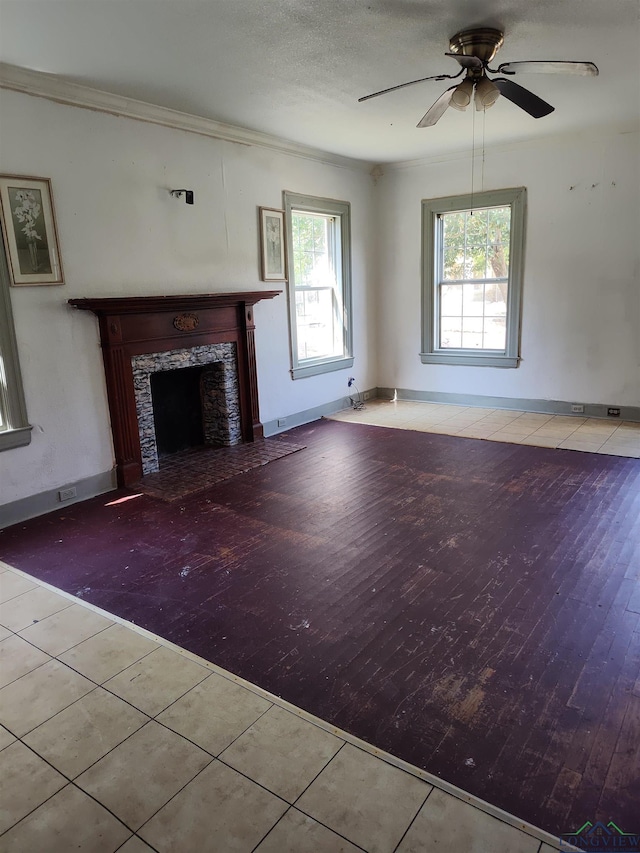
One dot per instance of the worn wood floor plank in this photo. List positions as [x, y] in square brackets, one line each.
[469, 606]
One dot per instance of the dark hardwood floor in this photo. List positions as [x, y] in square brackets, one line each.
[469, 606]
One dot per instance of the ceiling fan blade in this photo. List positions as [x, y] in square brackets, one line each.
[467, 61]
[585, 69]
[437, 110]
[410, 83]
[523, 98]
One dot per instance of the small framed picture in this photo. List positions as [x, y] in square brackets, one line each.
[272, 254]
[29, 230]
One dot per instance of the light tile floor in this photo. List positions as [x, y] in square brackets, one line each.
[112, 739]
[591, 435]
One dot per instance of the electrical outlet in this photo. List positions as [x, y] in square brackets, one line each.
[577, 408]
[282, 421]
[366, 395]
[613, 412]
[67, 494]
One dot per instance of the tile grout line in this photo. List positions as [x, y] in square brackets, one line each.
[192, 741]
[135, 835]
[44, 651]
[413, 820]
[503, 413]
[294, 804]
[173, 796]
[315, 820]
[214, 757]
[435, 781]
[217, 758]
[55, 793]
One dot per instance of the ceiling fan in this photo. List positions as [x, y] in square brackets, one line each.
[474, 49]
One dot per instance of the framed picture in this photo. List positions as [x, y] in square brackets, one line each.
[272, 254]
[29, 230]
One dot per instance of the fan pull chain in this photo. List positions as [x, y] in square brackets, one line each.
[473, 153]
[484, 116]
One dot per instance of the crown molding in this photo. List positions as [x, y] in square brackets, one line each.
[63, 91]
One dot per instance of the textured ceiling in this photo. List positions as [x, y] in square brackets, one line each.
[295, 68]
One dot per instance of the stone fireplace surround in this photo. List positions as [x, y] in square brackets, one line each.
[219, 395]
[131, 327]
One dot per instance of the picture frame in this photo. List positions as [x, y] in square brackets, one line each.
[272, 244]
[29, 230]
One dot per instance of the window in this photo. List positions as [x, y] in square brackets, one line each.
[319, 263]
[14, 427]
[472, 278]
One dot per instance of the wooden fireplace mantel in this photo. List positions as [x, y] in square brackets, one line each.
[140, 325]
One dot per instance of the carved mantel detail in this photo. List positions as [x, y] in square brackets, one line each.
[146, 324]
[186, 322]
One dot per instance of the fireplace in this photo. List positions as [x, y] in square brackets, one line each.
[143, 337]
[186, 398]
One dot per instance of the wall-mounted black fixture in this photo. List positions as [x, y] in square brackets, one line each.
[188, 195]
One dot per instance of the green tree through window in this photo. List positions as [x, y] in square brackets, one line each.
[472, 278]
[318, 232]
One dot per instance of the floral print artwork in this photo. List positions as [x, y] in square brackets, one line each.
[30, 233]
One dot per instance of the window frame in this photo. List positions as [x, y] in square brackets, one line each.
[12, 402]
[432, 209]
[301, 368]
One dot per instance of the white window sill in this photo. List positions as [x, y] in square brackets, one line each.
[302, 371]
[11, 438]
[492, 360]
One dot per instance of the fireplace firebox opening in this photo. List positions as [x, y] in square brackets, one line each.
[177, 410]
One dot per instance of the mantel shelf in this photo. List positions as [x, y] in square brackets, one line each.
[175, 302]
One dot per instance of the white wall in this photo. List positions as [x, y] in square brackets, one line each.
[121, 234]
[581, 298]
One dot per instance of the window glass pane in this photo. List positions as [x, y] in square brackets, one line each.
[499, 224]
[451, 332]
[473, 300]
[312, 264]
[453, 236]
[453, 263]
[476, 243]
[496, 299]
[495, 332]
[472, 332]
[473, 316]
[454, 227]
[498, 238]
[497, 261]
[451, 299]
[320, 234]
[476, 262]
[302, 232]
[319, 326]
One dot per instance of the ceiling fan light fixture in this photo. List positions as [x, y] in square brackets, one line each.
[462, 94]
[487, 93]
[474, 49]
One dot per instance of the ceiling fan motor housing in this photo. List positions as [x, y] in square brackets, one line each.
[482, 42]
